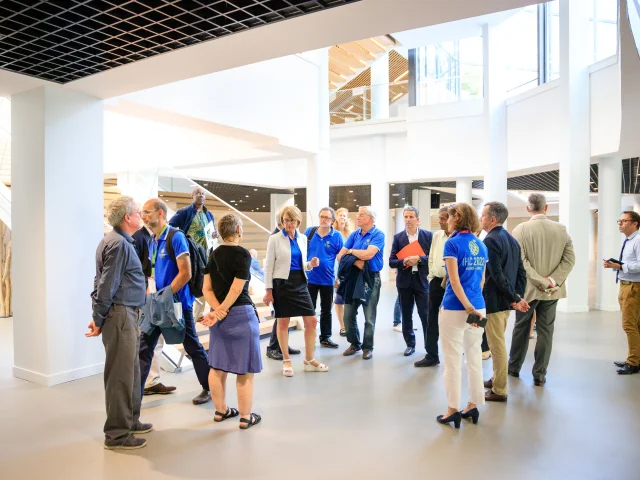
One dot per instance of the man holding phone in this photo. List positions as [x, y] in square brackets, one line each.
[628, 275]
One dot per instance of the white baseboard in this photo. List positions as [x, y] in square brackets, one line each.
[57, 378]
[608, 307]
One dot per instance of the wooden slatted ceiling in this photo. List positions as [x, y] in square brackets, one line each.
[345, 98]
[349, 59]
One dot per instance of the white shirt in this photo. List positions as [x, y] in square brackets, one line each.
[631, 259]
[414, 238]
[436, 255]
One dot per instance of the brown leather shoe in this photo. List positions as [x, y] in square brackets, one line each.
[158, 389]
[352, 350]
[488, 384]
[490, 396]
[367, 354]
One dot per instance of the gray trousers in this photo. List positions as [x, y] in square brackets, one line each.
[545, 320]
[120, 334]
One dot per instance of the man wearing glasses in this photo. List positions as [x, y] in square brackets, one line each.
[548, 258]
[367, 245]
[324, 243]
[628, 275]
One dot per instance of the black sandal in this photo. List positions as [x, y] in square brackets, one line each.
[254, 419]
[230, 413]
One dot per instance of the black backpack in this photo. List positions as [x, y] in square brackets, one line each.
[198, 259]
[311, 234]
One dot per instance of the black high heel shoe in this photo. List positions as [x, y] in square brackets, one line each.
[473, 414]
[456, 418]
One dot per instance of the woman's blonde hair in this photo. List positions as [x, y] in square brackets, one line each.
[465, 216]
[347, 226]
[293, 213]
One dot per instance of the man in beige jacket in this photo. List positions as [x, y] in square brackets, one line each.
[548, 258]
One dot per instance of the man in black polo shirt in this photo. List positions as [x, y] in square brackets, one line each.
[118, 294]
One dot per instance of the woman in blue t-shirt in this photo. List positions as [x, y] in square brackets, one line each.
[465, 259]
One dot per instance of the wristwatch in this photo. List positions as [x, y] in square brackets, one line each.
[350, 251]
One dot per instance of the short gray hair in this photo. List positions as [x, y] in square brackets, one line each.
[368, 210]
[537, 202]
[330, 210]
[409, 208]
[197, 189]
[118, 208]
[443, 209]
[159, 205]
[228, 225]
[498, 210]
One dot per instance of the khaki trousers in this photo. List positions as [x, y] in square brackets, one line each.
[629, 299]
[496, 326]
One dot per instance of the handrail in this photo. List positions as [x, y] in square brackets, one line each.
[228, 205]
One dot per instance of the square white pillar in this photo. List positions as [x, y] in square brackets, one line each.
[609, 239]
[380, 87]
[576, 148]
[380, 198]
[57, 215]
[277, 203]
[464, 192]
[421, 199]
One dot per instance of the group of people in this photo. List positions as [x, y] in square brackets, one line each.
[453, 278]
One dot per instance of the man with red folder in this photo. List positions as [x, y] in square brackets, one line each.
[409, 257]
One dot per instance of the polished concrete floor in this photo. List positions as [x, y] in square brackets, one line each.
[364, 419]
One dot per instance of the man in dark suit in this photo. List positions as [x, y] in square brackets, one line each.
[411, 280]
[504, 287]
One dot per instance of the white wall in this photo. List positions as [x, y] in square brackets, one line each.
[277, 97]
[445, 140]
[606, 109]
[534, 128]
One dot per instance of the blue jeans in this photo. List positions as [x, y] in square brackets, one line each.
[397, 312]
[370, 311]
[191, 344]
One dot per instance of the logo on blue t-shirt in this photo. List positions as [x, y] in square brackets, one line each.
[474, 248]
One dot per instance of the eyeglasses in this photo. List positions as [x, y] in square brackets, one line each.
[288, 220]
[620, 222]
[324, 217]
[147, 212]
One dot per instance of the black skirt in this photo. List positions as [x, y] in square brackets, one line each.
[291, 297]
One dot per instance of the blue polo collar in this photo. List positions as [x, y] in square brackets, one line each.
[285, 234]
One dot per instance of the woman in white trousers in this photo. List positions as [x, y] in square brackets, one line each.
[465, 259]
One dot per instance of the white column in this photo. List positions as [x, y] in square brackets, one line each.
[463, 190]
[495, 116]
[380, 87]
[380, 197]
[318, 165]
[57, 213]
[399, 219]
[141, 185]
[421, 199]
[277, 202]
[575, 148]
[609, 240]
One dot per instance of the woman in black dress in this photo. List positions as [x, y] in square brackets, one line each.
[286, 284]
[234, 345]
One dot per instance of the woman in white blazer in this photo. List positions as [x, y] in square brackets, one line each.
[286, 285]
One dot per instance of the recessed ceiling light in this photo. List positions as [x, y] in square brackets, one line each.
[402, 198]
[350, 191]
[162, 195]
[247, 196]
[295, 193]
[240, 201]
[395, 194]
[392, 184]
[252, 210]
[263, 206]
[396, 204]
[255, 189]
[257, 208]
[336, 203]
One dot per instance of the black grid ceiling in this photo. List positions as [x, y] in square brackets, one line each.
[62, 41]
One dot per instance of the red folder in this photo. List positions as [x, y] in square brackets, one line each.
[411, 250]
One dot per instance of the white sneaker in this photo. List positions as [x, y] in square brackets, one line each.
[397, 328]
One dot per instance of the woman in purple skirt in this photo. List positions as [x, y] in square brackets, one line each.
[234, 345]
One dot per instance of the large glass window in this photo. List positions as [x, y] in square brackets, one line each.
[449, 71]
[603, 29]
[551, 32]
[521, 50]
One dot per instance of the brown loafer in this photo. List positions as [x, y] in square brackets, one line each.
[488, 384]
[367, 354]
[352, 350]
[159, 389]
[490, 396]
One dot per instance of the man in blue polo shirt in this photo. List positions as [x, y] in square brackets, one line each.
[367, 244]
[324, 243]
[176, 275]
